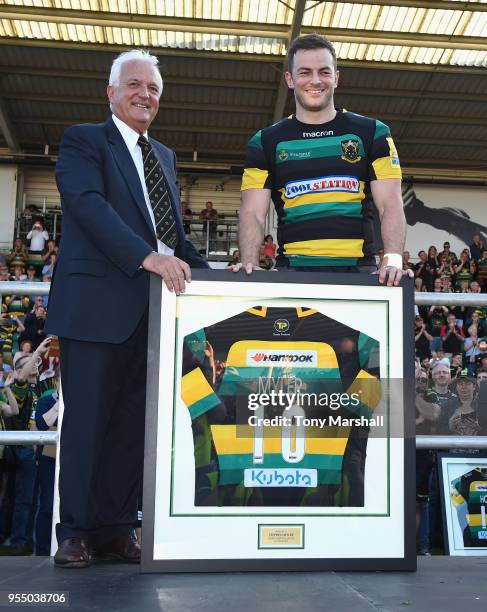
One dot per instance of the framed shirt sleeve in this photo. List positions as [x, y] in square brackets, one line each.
[456, 496]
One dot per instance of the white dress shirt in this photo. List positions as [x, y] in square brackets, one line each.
[130, 138]
[37, 239]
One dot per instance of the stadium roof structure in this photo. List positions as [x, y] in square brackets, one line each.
[418, 65]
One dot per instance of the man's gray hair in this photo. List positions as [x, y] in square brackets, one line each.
[129, 56]
[444, 361]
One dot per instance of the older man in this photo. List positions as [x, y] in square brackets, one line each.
[121, 221]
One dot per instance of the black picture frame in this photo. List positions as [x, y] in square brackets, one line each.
[149, 564]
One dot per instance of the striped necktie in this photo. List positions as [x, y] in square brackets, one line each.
[159, 197]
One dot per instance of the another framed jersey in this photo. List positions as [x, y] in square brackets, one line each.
[277, 431]
[463, 483]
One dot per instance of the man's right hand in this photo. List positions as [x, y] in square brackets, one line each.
[171, 269]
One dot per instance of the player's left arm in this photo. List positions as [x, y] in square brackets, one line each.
[388, 201]
[385, 184]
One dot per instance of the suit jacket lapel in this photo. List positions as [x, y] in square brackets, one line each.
[127, 168]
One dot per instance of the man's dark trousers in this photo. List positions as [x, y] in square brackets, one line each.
[105, 473]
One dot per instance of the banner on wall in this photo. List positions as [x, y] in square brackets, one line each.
[443, 213]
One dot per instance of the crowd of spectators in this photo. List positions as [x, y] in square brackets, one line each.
[29, 368]
[451, 367]
[446, 272]
[451, 332]
[451, 371]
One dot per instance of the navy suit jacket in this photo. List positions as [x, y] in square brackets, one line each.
[98, 292]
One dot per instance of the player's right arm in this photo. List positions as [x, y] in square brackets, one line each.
[252, 218]
[256, 196]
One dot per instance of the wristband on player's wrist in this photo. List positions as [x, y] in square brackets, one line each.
[393, 260]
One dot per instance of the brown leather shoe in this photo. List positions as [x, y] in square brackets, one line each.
[72, 553]
[124, 548]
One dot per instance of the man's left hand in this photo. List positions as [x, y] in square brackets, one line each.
[392, 275]
[390, 272]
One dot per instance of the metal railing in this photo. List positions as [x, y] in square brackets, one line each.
[217, 238]
[451, 442]
[29, 437]
[52, 220]
[24, 288]
[421, 299]
[423, 442]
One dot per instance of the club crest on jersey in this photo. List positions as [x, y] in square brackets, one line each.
[283, 155]
[350, 150]
[281, 326]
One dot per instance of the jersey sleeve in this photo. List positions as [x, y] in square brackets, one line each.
[197, 393]
[367, 384]
[256, 169]
[197, 390]
[456, 497]
[384, 161]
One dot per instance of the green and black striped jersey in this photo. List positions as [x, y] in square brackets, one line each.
[26, 394]
[314, 361]
[471, 490]
[319, 177]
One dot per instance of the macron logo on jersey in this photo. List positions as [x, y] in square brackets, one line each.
[318, 134]
[302, 359]
[322, 184]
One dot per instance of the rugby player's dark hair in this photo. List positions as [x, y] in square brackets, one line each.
[306, 43]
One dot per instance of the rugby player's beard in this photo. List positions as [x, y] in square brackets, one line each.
[327, 103]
